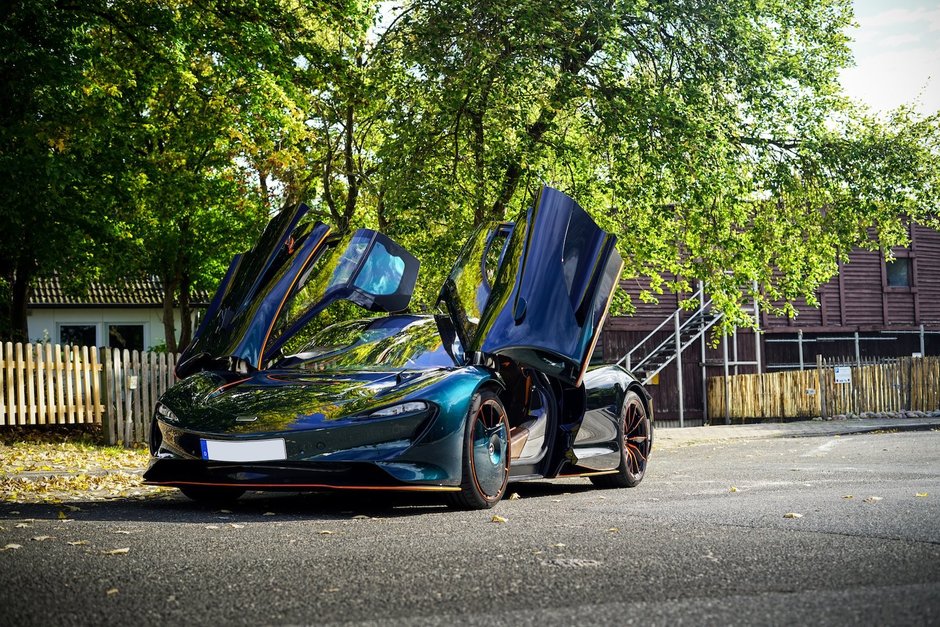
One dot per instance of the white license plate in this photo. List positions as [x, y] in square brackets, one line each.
[250, 451]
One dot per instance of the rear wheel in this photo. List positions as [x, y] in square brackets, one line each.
[485, 454]
[211, 495]
[635, 437]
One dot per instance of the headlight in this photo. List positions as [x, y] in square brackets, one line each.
[412, 407]
[164, 412]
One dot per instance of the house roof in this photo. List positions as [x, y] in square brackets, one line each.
[144, 292]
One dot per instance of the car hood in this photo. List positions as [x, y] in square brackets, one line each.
[281, 400]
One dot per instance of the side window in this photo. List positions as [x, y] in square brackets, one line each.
[493, 255]
[381, 273]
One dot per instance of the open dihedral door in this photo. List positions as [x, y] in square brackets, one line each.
[292, 274]
[536, 291]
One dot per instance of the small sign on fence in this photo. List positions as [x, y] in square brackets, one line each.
[843, 374]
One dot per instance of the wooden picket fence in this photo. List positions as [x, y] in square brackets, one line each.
[904, 384]
[135, 382]
[46, 384]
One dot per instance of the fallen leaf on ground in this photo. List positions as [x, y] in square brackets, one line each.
[847, 496]
[614, 529]
[62, 515]
[123, 551]
[325, 532]
[921, 494]
[39, 538]
[792, 515]
[12, 547]
[498, 519]
[558, 545]
[514, 496]
[78, 543]
[873, 499]
[236, 526]
[733, 489]
[112, 592]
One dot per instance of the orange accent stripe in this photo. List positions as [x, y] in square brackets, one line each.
[287, 295]
[597, 329]
[589, 474]
[417, 488]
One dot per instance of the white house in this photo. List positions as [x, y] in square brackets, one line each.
[125, 315]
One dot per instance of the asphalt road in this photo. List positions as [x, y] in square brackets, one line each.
[703, 540]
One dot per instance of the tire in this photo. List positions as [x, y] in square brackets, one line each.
[211, 495]
[635, 436]
[486, 453]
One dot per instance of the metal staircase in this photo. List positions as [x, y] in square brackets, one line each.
[646, 364]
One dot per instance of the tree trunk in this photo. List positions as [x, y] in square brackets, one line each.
[479, 163]
[583, 49]
[352, 177]
[19, 327]
[186, 322]
[169, 322]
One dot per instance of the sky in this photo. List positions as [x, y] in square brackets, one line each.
[897, 54]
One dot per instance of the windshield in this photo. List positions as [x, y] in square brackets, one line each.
[389, 343]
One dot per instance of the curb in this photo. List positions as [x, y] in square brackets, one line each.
[694, 436]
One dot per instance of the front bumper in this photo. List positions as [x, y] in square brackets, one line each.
[287, 476]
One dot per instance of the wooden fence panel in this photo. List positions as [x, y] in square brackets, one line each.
[46, 384]
[905, 384]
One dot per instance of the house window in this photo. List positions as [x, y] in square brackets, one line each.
[78, 334]
[898, 272]
[129, 336]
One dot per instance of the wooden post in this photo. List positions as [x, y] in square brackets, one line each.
[724, 349]
[40, 385]
[822, 387]
[50, 387]
[9, 402]
[20, 386]
[138, 410]
[30, 385]
[128, 406]
[96, 376]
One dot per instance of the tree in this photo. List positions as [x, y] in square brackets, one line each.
[53, 217]
[712, 137]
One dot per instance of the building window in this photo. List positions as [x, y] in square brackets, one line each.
[78, 334]
[129, 336]
[898, 272]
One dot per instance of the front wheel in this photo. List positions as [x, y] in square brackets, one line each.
[635, 437]
[485, 454]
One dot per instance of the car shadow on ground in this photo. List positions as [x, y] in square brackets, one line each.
[267, 506]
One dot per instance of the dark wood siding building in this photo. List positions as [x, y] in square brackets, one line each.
[871, 309]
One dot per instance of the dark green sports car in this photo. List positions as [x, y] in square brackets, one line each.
[494, 389]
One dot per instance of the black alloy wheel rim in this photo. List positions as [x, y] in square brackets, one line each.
[636, 437]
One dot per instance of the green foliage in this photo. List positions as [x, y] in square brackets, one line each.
[713, 138]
